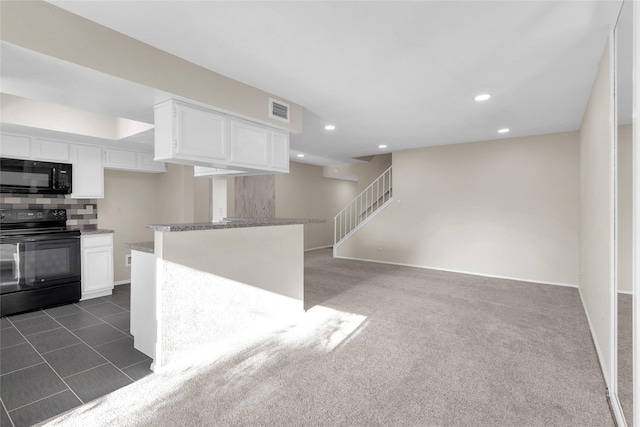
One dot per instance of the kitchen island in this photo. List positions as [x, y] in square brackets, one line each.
[209, 284]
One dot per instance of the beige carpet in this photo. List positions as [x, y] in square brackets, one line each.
[386, 345]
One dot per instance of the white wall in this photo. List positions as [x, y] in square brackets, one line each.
[595, 213]
[625, 202]
[507, 207]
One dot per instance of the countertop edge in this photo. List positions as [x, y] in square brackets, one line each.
[147, 247]
[235, 223]
[97, 231]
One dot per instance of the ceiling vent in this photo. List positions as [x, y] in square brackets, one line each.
[278, 110]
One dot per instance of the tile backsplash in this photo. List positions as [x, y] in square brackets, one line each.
[81, 213]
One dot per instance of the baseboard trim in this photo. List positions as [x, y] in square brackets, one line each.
[616, 409]
[605, 375]
[518, 279]
[626, 292]
[319, 247]
[121, 282]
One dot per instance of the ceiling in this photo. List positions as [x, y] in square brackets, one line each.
[402, 74]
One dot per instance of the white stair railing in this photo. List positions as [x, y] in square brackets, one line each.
[366, 204]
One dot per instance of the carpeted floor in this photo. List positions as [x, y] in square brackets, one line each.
[625, 356]
[388, 345]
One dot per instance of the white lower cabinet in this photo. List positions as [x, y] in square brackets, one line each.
[97, 265]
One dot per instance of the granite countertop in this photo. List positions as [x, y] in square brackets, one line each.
[233, 223]
[141, 246]
[96, 231]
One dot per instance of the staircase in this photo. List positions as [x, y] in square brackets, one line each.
[364, 207]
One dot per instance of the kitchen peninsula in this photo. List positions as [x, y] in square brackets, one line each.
[199, 286]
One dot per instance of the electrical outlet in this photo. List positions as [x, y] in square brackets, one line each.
[127, 260]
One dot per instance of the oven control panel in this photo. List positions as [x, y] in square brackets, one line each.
[16, 216]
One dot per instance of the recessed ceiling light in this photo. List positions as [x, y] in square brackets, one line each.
[330, 127]
[300, 155]
[382, 146]
[504, 130]
[482, 97]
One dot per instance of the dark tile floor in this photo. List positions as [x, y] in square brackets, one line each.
[56, 359]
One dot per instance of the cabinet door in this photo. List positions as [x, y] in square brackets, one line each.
[88, 173]
[97, 270]
[14, 146]
[50, 151]
[200, 133]
[249, 144]
[120, 159]
[146, 163]
[279, 151]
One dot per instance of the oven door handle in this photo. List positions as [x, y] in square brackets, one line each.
[17, 262]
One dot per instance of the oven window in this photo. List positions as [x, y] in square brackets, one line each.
[53, 262]
[9, 264]
[49, 261]
[24, 179]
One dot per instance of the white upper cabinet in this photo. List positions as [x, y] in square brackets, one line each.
[279, 151]
[115, 158]
[199, 136]
[120, 159]
[201, 133]
[24, 147]
[50, 151]
[147, 164]
[88, 172]
[15, 147]
[249, 144]
[189, 134]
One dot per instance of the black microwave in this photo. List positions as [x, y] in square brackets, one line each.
[32, 177]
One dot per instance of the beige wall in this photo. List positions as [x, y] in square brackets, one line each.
[47, 29]
[625, 205]
[506, 207]
[201, 199]
[595, 213]
[129, 204]
[175, 195]
[132, 200]
[305, 193]
[366, 172]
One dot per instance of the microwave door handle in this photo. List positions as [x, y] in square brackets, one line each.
[54, 181]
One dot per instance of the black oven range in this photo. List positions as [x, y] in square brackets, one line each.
[39, 260]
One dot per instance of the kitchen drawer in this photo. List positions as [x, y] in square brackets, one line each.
[93, 241]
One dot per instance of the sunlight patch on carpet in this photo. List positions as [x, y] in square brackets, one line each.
[226, 369]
